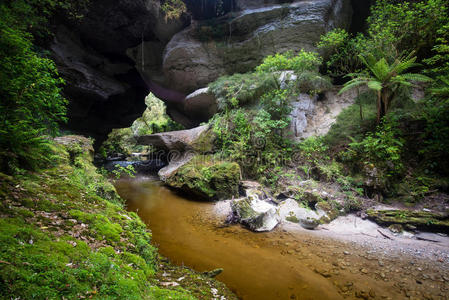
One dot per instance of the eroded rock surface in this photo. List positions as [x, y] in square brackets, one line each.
[314, 116]
[239, 41]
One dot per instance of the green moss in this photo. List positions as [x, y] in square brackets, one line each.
[205, 142]
[292, 218]
[60, 239]
[420, 219]
[207, 178]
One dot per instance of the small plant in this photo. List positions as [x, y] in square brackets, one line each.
[119, 171]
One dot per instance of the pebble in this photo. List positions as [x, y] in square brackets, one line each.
[346, 253]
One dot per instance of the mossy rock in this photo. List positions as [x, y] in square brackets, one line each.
[423, 220]
[330, 209]
[207, 178]
[205, 142]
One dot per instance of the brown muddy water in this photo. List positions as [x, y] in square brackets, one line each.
[272, 265]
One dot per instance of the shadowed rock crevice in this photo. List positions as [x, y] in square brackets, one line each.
[122, 50]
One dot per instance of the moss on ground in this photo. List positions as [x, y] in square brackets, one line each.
[207, 178]
[62, 237]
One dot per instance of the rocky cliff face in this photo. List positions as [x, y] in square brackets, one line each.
[103, 85]
[123, 49]
[239, 41]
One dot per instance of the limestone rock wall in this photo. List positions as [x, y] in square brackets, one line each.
[238, 42]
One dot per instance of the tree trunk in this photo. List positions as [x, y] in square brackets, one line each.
[379, 107]
[360, 104]
[382, 105]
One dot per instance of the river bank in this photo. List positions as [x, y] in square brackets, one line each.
[66, 235]
[339, 260]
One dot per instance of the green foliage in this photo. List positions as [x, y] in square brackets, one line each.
[406, 25]
[341, 52]
[349, 123]
[241, 89]
[300, 62]
[313, 149]
[119, 171]
[153, 120]
[277, 104]
[435, 112]
[384, 79]
[31, 105]
[253, 139]
[382, 149]
[439, 62]
[173, 9]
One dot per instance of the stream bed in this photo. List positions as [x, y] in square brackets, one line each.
[281, 264]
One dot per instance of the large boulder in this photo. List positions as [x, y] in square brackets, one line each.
[238, 42]
[201, 104]
[289, 210]
[256, 210]
[195, 139]
[257, 215]
[209, 179]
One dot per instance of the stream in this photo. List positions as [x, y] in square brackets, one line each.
[273, 265]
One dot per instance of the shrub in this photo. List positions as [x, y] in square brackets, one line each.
[241, 89]
[341, 52]
[300, 62]
[382, 149]
[31, 105]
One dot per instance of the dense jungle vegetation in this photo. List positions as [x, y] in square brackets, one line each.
[388, 145]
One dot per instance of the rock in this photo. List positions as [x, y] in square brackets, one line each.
[195, 139]
[395, 228]
[323, 272]
[213, 273]
[238, 42]
[290, 210]
[207, 178]
[313, 116]
[179, 147]
[429, 221]
[257, 215]
[103, 85]
[201, 105]
[176, 161]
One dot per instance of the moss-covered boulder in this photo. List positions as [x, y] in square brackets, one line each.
[425, 220]
[207, 178]
[256, 214]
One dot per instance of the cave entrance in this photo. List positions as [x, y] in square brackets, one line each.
[121, 143]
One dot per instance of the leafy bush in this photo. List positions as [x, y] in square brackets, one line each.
[382, 149]
[406, 25]
[300, 62]
[241, 89]
[253, 139]
[31, 105]
[173, 9]
[439, 62]
[341, 52]
[435, 112]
